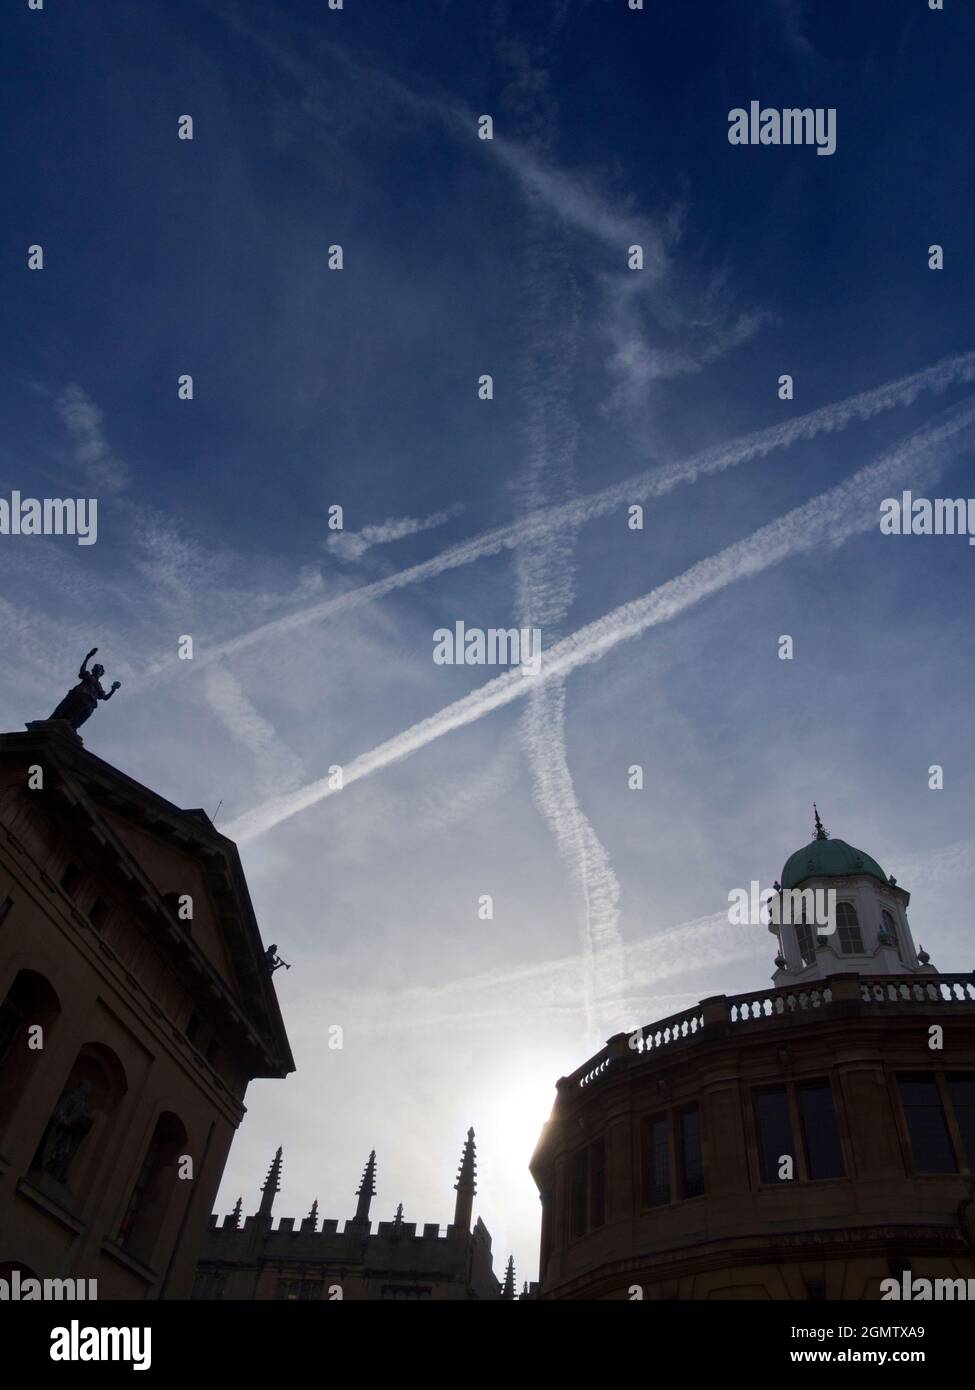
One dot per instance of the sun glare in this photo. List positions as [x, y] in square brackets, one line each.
[517, 1107]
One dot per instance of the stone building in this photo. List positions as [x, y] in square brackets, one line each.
[257, 1260]
[803, 1141]
[136, 1003]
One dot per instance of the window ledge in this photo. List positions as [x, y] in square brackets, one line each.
[129, 1262]
[803, 1183]
[43, 1199]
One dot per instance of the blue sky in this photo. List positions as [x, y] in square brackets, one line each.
[315, 387]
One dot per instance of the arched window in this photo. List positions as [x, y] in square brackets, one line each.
[848, 930]
[890, 928]
[30, 1002]
[82, 1122]
[153, 1188]
[804, 938]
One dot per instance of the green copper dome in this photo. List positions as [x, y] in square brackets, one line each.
[824, 857]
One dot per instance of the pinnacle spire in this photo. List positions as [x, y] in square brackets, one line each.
[508, 1287]
[273, 1179]
[466, 1177]
[367, 1186]
[821, 832]
[366, 1189]
[272, 1185]
[237, 1212]
[313, 1215]
[466, 1184]
[398, 1218]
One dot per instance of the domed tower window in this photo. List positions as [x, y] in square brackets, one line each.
[804, 939]
[889, 935]
[848, 930]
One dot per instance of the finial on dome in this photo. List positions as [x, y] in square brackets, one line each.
[821, 832]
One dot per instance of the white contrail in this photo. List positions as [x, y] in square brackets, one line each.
[544, 571]
[639, 488]
[826, 520]
[654, 482]
[580, 848]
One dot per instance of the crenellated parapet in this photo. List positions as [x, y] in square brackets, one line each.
[264, 1257]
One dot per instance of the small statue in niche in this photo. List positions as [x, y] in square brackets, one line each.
[66, 1130]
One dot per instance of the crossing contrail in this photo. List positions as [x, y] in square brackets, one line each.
[654, 482]
[825, 521]
[544, 590]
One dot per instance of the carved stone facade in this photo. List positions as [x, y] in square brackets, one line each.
[135, 1007]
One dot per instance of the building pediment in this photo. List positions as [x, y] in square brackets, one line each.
[158, 852]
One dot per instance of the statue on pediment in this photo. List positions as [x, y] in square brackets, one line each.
[81, 701]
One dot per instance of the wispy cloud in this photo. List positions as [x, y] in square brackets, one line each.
[352, 545]
[947, 863]
[176, 567]
[791, 15]
[278, 768]
[373, 827]
[577, 199]
[639, 357]
[556, 989]
[104, 472]
[573, 198]
[824, 522]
